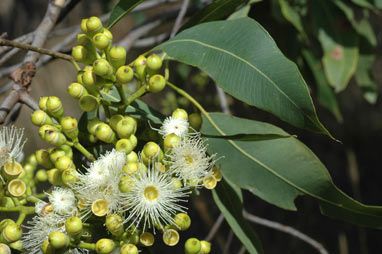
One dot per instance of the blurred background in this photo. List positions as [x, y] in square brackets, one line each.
[354, 164]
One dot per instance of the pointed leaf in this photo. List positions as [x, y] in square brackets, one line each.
[122, 8]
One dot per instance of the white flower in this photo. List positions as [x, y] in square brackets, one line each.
[174, 125]
[189, 160]
[11, 144]
[39, 206]
[152, 199]
[63, 201]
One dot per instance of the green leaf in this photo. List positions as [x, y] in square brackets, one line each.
[244, 60]
[217, 10]
[339, 42]
[291, 15]
[141, 110]
[279, 170]
[363, 3]
[325, 93]
[249, 137]
[241, 13]
[230, 205]
[122, 8]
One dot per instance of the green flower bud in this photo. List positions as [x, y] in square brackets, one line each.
[11, 233]
[108, 34]
[4, 249]
[55, 153]
[42, 103]
[42, 157]
[54, 138]
[5, 223]
[171, 237]
[101, 41]
[7, 202]
[70, 126]
[146, 239]
[89, 79]
[100, 207]
[89, 103]
[68, 150]
[105, 133]
[93, 26]
[79, 77]
[180, 114]
[44, 128]
[125, 184]
[12, 169]
[40, 118]
[130, 167]
[73, 226]
[141, 72]
[63, 162]
[17, 187]
[76, 90]
[206, 247]
[83, 40]
[102, 67]
[69, 176]
[47, 248]
[126, 127]
[84, 28]
[54, 107]
[151, 150]
[92, 125]
[105, 246]
[133, 140]
[58, 240]
[176, 183]
[79, 53]
[18, 245]
[209, 182]
[196, 121]
[170, 141]
[114, 224]
[117, 56]
[41, 175]
[182, 221]
[140, 61]
[124, 74]
[31, 159]
[156, 83]
[129, 249]
[124, 145]
[192, 246]
[54, 176]
[154, 62]
[114, 120]
[132, 157]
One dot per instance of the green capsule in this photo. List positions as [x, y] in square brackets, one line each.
[93, 26]
[117, 56]
[54, 107]
[105, 246]
[43, 159]
[73, 225]
[101, 41]
[40, 118]
[104, 133]
[58, 240]
[70, 126]
[154, 62]
[102, 67]
[192, 246]
[124, 74]
[76, 90]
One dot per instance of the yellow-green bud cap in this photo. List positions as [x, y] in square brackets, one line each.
[54, 176]
[83, 25]
[70, 126]
[79, 53]
[146, 239]
[133, 140]
[105, 246]
[132, 157]
[58, 240]
[55, 138]
[40, 118]
[17, 187]
[151, 150]
[140, 61]
[176, 183]
[124, 145]
[195, 120]
[141, 72]
[76, 90]
[73, 225]
[206, 247]
[55, 153]
[42, 103]
[89, 78]
[31, 159]
[41, 175]
[12, 169]
[4, 249]
[125, 127]
[93, 25]
[129, 249]
[217, 174]
[42, 157]
[102, 67]
[11, 233]
[171, 237]
[117, 56]
[92, 125]
[130, 167]
[54, 107]
[170, 141]
[89, 103]
[105, 133]
[182, 221]
[209, 182]
[192, 246]
[114, 120]
[125, 184]
[108, 34]
[45, 128]
[5, 223]
[180, 114]
[101, 41]
[154, 62]
[63, 162]
[124, 74]
[114, 224]
[69, 176]
[18, 245]
[100, 207]
[47, 248]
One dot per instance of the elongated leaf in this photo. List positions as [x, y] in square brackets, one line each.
[291, 15]
[244, 60]
[230, 205]
[241, 13]
[122, 8]
[248, 137]
[279, 170]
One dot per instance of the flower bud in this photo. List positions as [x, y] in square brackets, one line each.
[129, 249]
[69, 176]
[170, 237]
[79, 53]
[125, 184]
[93, 26]
[92, 125]
[47, 248]
[100, 207]
[63, 162]
[18, 245]
[105, 133]
[133, 140]
[5, 223]
[102, 67]
[114, 224]
[12, 169]
[205, 246]
[54, 176]
[89, 79]
[58, 240]
[11, 233]
[180, 114]
[42, 157]
[84, 28]
[108, 34]
[44, 128]
[54, 138]
[105, 246]
[140, 61]
[17, 187]
[217, 174]
[196, 121]
[154, 62]
[182, 221]
[117, 56]
[146, 239]
[170, 141]
[141, 72]
[192, 246]
[176, 183]
[40, 118]
[54, 107]
[124, 74]
[126, 127]
[124, 145]
[114, 120]
[7, 202]
[132, 157]
[70, 126]
[101, 41]
[73, 225]
[4, 249]
[130, 167]
[41, 175]
[88, 103]
[76, 90]
[209, 182]
[151, 150]
[31, 159]
[42, 103]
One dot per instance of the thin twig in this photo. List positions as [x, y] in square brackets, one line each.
[9, 55]
[150, 41]
[180, 17]
[215, 228]
[223, 100]
[228, 242]
[242, 250]
[286, 229]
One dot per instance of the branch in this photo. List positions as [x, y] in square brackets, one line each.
[215, 228]
[180, 17]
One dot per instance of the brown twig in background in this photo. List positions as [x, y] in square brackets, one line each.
[179, 19]
[215, 228]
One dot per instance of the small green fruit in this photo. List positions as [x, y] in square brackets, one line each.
[105, 246]
[58, 240]
[154, 62]
[156, 83]
[76, 90]
[124, 74]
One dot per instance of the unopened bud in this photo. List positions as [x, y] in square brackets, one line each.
[76, 90]
[196, 121]
[102, 67]
[124, 74]
[117, 56]
[54, 176]
[176, 183]
[205, 246]
[130, 167]
[182, 221]
[129, 249]
[156, 83]
[92, 125]
[105, 246]
[58, 240]
[4, 249]
[42, 103]
[63, 162]
[180, 114]
[125, 184]
[54, 107]
[192, 246]
[42, 157]
[41, 175]
[154, 62]
[105, 133]
[132, 157]
[126, 127]
[18, 245]
[171, 141]
[55, 138]
[43, 129]
[73, 225]
[70, 126]
[133, 140]
[55, 153]
[101, 41]
[69, 176]
[40, 118]
[83, 25]
[114, 224]
[89, 78]
[79, 53]
[151, 150]
[93, 26]
[114, 120]
[47, 248]
[11, 233]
